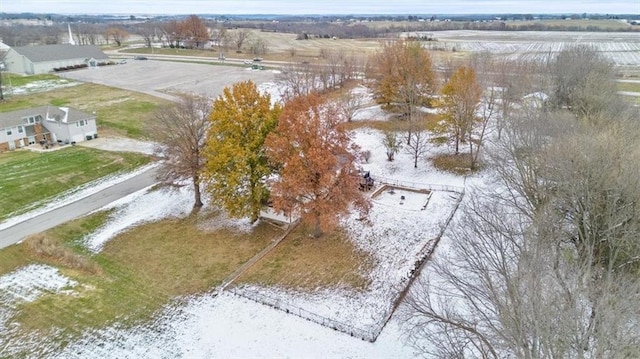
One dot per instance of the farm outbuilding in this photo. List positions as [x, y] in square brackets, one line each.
[42, 59]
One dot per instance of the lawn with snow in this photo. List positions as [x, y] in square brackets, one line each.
[25, 284]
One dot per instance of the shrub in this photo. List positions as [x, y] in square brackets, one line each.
[44, 247]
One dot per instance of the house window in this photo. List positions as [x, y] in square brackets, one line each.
[9, 132]
[32, 119]
[81, 123]
[20, 129]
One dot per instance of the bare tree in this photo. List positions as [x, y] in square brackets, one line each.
[349, 104]
[147, 31]
[239, 37]
[417, 145]
[583, 82]
[392, 143]
[542, 264]
[181, 130]
[118, 35]
[259, 46]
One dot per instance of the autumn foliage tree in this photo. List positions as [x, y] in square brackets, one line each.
[181, 130]
[460, 100]
[195, 31]
[237, 165]
[403, 75]
[317, 176]
[118, 35]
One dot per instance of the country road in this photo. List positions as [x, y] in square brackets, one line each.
[57, 216]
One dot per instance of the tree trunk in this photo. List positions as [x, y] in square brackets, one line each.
[317, 229]
[196, 190]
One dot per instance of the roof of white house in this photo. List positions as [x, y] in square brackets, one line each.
[44, 53]
[48, 112]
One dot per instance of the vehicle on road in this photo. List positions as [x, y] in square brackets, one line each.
[140, 58]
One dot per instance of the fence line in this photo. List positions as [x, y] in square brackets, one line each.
[280, 304]
[417, 185]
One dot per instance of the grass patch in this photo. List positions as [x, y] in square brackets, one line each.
[119, 112]
[628, 86]
[459, 164]
[28, 179]
[17, 80]
[303, 263]
[141, 271]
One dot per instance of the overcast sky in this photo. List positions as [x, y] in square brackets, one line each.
[154, 7]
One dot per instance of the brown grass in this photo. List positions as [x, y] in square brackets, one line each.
[177, 258]
[458, 164]
[44, 247]
[303, 263]
[427, 122]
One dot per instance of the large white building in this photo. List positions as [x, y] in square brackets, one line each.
[42, 59]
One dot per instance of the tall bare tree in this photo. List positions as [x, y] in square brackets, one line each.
[417, 146]
[239, 38]
[544, 263]
[181, 131]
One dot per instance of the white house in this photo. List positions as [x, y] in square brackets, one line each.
[45, 124]
[47, 58]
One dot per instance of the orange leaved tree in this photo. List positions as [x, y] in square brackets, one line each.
[317, 175]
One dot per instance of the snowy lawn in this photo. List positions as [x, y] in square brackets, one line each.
[23, 285]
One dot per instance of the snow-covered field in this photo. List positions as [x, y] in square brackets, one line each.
[621, 48]
[212, 325]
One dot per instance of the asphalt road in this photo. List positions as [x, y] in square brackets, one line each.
[76, 209]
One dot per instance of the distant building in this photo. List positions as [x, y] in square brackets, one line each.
[45, 124]
[42, 59]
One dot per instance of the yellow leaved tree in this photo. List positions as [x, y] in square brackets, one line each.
[236, 167]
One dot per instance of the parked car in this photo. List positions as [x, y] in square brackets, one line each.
[140, 58]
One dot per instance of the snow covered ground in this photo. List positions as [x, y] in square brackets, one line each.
[26, 284]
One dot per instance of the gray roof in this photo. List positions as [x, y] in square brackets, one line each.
[44, 53]
[14, 118]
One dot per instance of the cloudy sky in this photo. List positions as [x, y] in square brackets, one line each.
[319, 6]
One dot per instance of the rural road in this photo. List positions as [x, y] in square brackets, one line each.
[47, 220]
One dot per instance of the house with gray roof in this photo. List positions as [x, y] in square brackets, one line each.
[45, 125]
[42, 59]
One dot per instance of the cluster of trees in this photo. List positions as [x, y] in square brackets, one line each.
[403, 81]
[545, 263]
[333, 71]
[247, 153]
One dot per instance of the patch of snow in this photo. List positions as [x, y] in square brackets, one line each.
[273, 90]
[28, 283]
[25, 284]
[140, 207]
[42, 86]
[211, 326]
[372, 113]
[121, 144]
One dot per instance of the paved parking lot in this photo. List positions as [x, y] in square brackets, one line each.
[163, 78]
